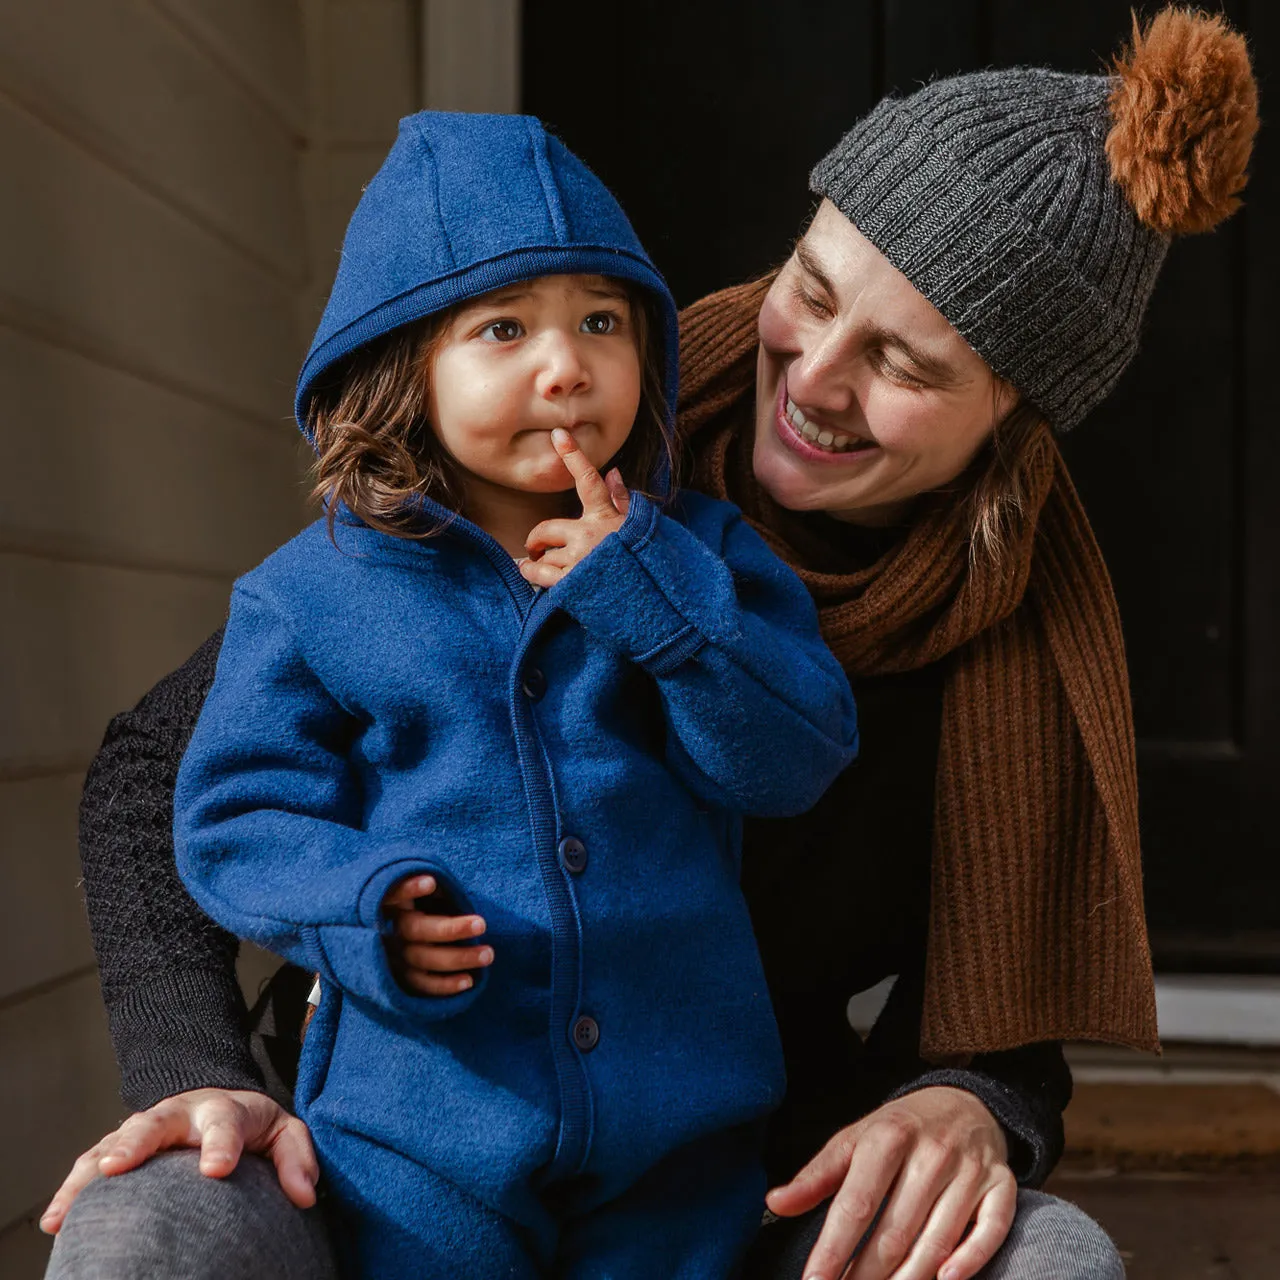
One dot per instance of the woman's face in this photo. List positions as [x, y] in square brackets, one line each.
[865, 395]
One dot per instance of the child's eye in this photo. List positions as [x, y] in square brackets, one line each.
[600, 322]
[503, 330]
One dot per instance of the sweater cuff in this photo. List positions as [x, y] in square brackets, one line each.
[614, 596]
[181, 1030]
[354, 957]
[1030, 1156]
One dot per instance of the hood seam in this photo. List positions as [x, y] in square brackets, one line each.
[550, 192]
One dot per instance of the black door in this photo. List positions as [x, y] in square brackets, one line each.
[705, 119]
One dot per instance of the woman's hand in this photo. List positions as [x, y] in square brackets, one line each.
[555, 546]
[941, 1158]
[221, 1122]
[424, 949]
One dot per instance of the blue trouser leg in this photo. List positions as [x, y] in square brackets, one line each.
[392, 1219]
[690, 1217]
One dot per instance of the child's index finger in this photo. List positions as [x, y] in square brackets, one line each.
[587, 480]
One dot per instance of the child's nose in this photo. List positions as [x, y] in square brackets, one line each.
[563, 371]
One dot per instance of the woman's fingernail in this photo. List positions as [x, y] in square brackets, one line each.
[486, 955]
[477, 925]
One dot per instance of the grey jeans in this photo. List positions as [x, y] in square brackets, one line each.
[166, 1221]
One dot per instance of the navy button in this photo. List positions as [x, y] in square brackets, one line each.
[534, 684]
[586, 1033]
[573, 854]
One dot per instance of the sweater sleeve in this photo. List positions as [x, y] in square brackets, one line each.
[760, 715]
[268, 816]
[174, 1007]
[1026, 1089]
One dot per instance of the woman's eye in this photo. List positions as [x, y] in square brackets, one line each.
[811, 303]
[600, 322]
[503, 330]
[896, 373]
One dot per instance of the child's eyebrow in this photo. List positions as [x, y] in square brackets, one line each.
[513, 294]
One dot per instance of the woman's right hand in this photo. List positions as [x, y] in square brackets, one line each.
[222, 1123]
[425, 950]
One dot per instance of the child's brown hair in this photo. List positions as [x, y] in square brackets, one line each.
[377, 454]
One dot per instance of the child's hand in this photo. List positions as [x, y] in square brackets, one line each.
[555, 546]
[424, 949]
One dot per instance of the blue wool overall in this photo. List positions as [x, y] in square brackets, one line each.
[572, 764]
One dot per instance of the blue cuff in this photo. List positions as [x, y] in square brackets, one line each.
[354, 957]
[614, 596]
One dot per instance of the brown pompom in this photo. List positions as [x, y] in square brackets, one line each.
[1185, 111]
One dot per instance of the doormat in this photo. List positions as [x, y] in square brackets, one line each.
[1173, 1127]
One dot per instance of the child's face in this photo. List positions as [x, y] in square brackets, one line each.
[559, 351]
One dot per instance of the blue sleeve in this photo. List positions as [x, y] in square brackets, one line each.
[760, 715]
[268, 814]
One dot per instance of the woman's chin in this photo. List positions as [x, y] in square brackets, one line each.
[789, 485]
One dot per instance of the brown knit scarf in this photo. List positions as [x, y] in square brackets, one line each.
[1036, 926]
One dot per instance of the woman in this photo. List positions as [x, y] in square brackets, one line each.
[974, 276]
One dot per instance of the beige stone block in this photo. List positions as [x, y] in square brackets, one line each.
[259, 41]
[59, 1082]
[471, 55]
[79, 643]
[24, 1248]
[366, 78]
[100, 265]
[43, 930]
[131, 89]
[105, 466]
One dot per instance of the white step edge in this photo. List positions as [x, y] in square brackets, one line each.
[1228, 1009]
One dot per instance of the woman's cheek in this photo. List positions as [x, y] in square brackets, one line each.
[778, 328]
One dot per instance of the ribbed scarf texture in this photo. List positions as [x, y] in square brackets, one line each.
[1037, 930]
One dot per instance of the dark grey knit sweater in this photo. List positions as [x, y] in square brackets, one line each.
[828, 925]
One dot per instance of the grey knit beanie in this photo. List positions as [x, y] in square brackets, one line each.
[1010, 199]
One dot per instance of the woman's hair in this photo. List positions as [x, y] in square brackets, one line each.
[996, 499]
[376, 452]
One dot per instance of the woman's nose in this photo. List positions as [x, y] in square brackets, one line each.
[563, 371]
[822, 379]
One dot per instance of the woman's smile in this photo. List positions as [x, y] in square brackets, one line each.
[815, 440]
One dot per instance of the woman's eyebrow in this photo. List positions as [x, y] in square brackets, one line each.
[809, 261]
[934, 368]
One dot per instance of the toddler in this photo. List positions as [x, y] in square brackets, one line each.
[495, 664]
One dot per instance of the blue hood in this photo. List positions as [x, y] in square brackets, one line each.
[468, 203]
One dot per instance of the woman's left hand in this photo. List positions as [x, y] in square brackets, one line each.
[555, 546]
[941, 1159]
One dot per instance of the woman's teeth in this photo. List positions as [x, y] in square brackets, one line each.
[822, 437]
